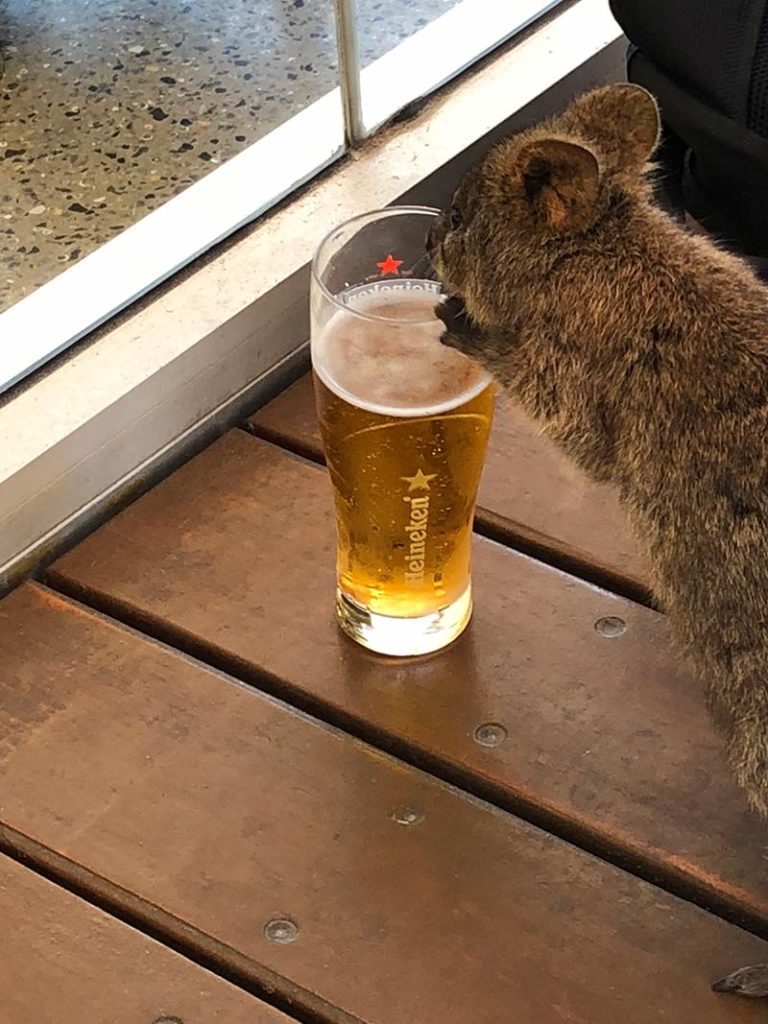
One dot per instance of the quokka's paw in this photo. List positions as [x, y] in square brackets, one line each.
[751, 982]
[461, 332]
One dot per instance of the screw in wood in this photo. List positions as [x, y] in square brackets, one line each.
[281, 930]
[407, 816]
[491, 734]
[610, 626]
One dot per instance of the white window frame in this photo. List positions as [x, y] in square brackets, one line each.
[426, 60]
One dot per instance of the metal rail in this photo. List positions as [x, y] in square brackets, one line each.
[349, 71]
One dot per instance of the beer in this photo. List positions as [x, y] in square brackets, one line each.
[405, 422]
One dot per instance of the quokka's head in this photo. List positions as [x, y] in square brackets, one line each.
[541, 192]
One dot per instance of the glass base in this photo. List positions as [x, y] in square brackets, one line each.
[404, 637]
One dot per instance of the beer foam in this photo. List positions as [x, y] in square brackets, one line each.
[394, 368]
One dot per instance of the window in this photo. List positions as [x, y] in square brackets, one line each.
[135, 136]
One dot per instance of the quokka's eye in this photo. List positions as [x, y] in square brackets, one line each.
[454, 218]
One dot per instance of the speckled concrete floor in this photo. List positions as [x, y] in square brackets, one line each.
[109, 107]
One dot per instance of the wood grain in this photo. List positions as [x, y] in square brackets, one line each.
[226, 810]
[531, 497]
[608, 740]
[62, 961]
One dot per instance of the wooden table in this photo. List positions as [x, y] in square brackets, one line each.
[199, 773]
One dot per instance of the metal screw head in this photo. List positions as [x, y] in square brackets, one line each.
[491, 734]
[407, 816]
[281, 930]
[610, 626]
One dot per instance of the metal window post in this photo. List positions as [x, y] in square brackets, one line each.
[349, 70]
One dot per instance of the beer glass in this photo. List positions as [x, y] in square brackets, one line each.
[405, 423]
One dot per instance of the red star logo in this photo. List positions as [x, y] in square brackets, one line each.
[389, 266]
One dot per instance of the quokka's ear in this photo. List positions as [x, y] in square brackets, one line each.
[561, 181]
[623, 121]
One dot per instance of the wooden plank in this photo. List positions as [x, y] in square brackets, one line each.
[530, 495]
[62, 961]
[226, 810]
[232, 557]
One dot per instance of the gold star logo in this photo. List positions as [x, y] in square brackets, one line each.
[419, 482]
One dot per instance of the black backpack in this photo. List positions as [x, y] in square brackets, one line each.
[706, 61]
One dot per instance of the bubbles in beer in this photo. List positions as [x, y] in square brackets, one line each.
[396, 369]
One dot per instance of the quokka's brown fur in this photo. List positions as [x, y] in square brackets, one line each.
[643, 352]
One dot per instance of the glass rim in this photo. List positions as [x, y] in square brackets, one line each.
[430, 211]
